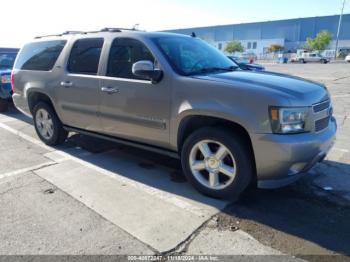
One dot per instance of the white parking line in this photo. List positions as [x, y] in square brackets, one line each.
[7, 120]
[165, 196]
[25, 137]
[27, 169]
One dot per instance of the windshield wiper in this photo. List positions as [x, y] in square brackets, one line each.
[213, 69]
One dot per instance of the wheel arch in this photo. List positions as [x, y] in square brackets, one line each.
[191, 123]
[34, 97]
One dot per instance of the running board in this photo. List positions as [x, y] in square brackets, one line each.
[125, 142]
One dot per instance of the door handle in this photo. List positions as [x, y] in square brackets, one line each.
[109, 90]
[66, 84]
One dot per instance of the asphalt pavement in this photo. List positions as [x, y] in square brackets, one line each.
[92, 197]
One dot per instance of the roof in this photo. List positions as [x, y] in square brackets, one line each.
[110, 31]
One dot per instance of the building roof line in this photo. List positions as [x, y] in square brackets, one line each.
[249, 23]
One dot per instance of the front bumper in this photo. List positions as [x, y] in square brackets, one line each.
[283, 159]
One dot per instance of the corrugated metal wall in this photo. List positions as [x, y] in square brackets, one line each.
[293, 30]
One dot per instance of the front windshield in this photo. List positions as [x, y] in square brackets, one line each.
[7, 60]
[190, 56]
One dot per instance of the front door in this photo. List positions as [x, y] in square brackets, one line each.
[132, 107]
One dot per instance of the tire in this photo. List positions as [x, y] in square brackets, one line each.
[57, 134]
[225, 187]
[4, 104]
[302, 61]
[323, 61]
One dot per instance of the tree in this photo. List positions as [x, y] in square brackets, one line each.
[234, 46]
[320, 42]
[275, 48]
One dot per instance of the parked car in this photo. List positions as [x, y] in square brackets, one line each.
[7, 58]
[249, 56]
[312, 58]
[177, 95]
[245, 65]
[347, 58]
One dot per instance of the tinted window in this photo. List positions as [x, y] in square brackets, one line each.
[40, 56]
[188, 55]
[7, 60]
[85, 56]
[123, 54]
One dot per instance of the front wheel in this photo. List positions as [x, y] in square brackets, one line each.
[3, 105]
[47, 125]
[217, 163]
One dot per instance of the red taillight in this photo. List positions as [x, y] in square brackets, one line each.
[13, 82]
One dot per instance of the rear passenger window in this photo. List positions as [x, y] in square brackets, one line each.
[85, 56]
[123, 54]
[40, 56]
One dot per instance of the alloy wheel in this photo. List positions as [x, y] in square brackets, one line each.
[212, 164]
[44, 123]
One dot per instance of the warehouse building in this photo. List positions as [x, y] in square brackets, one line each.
[258, 37]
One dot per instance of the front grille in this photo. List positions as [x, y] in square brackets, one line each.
[322, 123]
[321, 106]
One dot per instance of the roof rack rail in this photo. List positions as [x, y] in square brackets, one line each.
[73, 32]
[106, 29]
[117, 29]
[64, 33]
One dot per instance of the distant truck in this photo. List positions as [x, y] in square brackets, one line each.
[304, 56]
[7, 59]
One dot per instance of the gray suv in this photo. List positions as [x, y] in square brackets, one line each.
[176, 95]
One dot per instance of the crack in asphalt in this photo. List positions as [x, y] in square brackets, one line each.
[341, 78]
[344, 119]
[183, 246]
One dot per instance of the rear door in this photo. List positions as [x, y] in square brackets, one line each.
[78, 93]
[133, 108]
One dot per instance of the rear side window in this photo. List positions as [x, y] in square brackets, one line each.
[85, 56]
[40, 56]
[123, 54]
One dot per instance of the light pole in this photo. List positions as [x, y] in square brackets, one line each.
[338, 32]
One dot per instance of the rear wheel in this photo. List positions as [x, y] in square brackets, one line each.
[47, 125]
[217, 163]
[302, 61]
[3, 105]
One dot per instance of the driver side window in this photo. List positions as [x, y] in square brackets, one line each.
[123, 54]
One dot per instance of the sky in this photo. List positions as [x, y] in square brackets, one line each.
[26, 19]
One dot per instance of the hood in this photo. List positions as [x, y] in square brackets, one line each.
[290, 86]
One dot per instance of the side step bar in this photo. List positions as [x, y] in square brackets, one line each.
[125, 142]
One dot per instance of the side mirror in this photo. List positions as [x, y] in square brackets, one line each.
[145, 69]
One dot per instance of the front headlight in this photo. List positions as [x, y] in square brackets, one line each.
[6, 79]
[288, 120]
